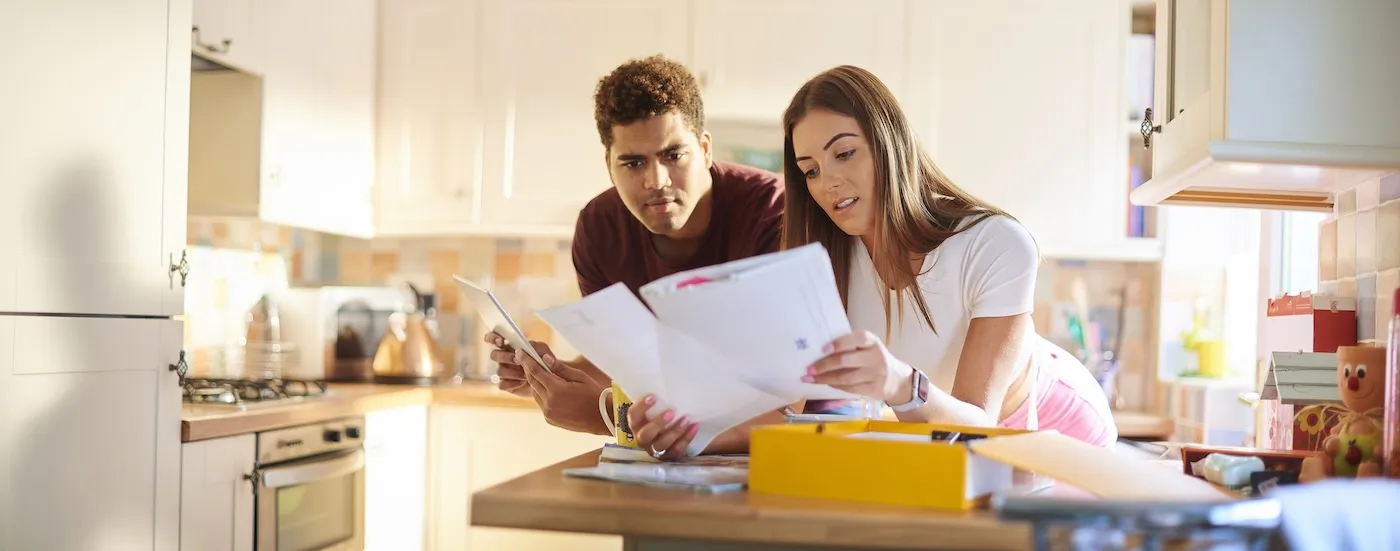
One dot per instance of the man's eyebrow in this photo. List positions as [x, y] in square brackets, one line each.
[828, 144]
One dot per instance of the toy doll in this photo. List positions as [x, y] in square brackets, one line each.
[1353, 447]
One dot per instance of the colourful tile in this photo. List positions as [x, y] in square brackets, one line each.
[1366, 307]
[1346, 246]
[1366, 242]
[356, 267]
[1368, 195]
[448, 297]
[443, 264]
[1327, 250]
[538, 264]
[1346, 202]
[1390, 187]
[1346, 288]
[507, 267]
[1386, 284]
[1388, 236]
[383, 265]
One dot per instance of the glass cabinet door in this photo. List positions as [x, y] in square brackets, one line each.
[1189, 69]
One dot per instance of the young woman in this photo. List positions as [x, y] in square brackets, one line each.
[938, 284]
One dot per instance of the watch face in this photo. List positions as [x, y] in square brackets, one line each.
[921, 388]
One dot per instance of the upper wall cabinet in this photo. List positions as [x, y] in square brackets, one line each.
[294, 146]
[93, 220]
[546, 158]
[751, 57]
[225, 32]
[1271, 103]
[488, 127]
[1021, 104]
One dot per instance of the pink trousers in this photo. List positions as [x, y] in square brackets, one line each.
[1066, 399]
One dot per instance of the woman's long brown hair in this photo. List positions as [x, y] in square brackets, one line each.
[922, 207]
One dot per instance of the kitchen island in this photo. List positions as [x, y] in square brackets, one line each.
[652, 519]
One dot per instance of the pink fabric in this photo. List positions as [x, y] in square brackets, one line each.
[1068, 400]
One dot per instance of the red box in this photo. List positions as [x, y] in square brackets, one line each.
[1311, 425]
[1310, 323]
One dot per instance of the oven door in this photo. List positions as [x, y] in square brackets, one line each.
[313, 504]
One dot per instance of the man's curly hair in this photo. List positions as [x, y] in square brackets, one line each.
[643, 88]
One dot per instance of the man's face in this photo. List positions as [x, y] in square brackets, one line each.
[661, 170]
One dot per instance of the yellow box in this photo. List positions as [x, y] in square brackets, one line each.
[824, 461]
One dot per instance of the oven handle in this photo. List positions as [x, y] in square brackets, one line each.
[281, 477]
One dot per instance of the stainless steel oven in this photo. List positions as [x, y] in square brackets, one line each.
[311, 487]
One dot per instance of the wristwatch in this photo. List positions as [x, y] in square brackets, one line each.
[920, 393]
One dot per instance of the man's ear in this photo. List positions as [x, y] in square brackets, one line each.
[707, 146]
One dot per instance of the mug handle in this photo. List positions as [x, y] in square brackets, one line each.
[604, 410]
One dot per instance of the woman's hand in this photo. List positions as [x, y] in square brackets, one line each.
[859, 363]
[664, 436]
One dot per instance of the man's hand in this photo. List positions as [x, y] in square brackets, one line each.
[567, 396]
[511, 375]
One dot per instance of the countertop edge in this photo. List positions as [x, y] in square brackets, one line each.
[747, 518]
[357, 399]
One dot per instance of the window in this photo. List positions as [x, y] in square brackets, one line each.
[1295, 253]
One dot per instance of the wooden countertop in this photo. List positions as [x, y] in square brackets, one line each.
[547, 500]
[202, 422]
[1143, 426]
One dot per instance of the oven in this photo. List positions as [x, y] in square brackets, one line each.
[310, 488]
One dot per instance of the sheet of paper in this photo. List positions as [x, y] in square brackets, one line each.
[617, 333]
[698, 388]
[771, 314]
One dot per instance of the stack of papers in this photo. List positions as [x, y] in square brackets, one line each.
[726, 343]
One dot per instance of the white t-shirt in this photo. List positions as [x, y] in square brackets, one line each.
[989, 270]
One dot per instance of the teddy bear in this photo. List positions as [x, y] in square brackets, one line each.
[1353, 447]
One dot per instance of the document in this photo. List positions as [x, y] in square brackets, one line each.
[772, 313]
[725, 344]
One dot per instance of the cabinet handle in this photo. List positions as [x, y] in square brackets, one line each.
[211, 48]
[1148, 128]
[182, 268]
[252, 479]
[181, 368]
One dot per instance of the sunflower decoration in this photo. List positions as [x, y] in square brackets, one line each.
[1312, 420]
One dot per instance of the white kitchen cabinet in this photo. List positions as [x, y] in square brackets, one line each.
[752, 56]
[1022, 106]
[225, 33]
[396, 447]
[473, 448]
[1271, 104]
[93, 216]
[90, 428]
[319, 114]
[546, 160]
[216, 495]
[430, 131]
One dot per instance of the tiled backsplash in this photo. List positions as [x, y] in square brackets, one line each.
[1359, 251]
[238, 259]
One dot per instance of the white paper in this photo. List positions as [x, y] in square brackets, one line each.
[643, 356]
[772, 314]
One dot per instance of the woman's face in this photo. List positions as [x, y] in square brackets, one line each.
[836, 160]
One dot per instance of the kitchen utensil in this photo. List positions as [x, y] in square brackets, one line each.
[264, 352]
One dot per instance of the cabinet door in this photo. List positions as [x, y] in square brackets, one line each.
[318, 114]
[216, 500]
[396, 447]
[90, 428]
[430, 132]
[541, 62]
[225, 33]
[1185, 100]
[1025, 102]
[92, 153]
[751, 57]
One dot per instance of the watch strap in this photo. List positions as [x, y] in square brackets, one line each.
[919, 395]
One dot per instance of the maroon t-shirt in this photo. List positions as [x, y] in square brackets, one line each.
[611, 245]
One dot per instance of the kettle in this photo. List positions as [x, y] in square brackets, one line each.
[409, 353]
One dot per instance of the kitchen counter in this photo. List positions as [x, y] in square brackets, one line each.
[202, 422]
[1136, 425]
[653, 519]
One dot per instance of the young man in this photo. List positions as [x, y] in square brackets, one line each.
[671, 208]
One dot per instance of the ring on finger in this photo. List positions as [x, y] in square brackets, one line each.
[656, 453]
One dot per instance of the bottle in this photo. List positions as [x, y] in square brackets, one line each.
[1390, 459]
